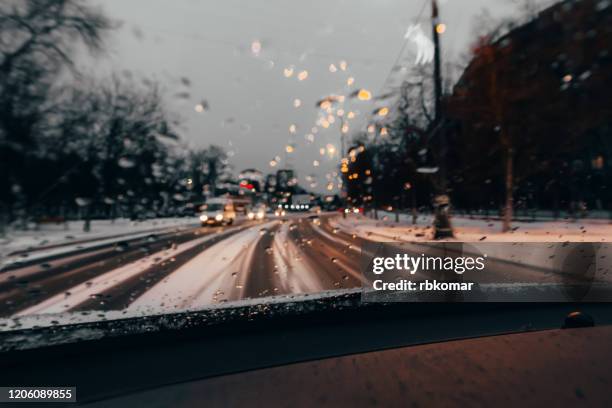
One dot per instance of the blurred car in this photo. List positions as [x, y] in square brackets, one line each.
[218, 211]
[280, 212]
[257, 213]
[351, 210]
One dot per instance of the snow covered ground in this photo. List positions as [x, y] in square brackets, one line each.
[51, 239]
[483, 235]
[475, 230]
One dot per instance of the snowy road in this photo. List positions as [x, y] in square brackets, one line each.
[187, 268]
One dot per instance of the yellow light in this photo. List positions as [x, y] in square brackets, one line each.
[568, 78]
[441, 28]
[345, 128]
[368, 172]
[303, 75]
[325, 105]
[383, 111]
[331, 149]
[288, 72]
[330, 186]
[351, 115]
[350, 81]
[273, 163]
[325, 123]
[384, 132]
[364, 95]
[289, 149]
[343, 65]
[355, 176]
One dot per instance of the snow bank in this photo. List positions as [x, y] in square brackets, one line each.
[475, 230]
[54, 239]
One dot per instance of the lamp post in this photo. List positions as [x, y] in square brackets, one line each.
[442, 224]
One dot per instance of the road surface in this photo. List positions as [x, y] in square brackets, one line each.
[187, 268]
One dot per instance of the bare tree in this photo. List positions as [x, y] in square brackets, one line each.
[38, 39]
[117, 128]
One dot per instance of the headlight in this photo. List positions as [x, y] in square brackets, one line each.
[203, 218]
[260, 215]
[219, 217]
[356, 210]
[251, 215]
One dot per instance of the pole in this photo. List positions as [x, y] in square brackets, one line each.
[442, 224]
[342, 138]
[437, 70]
[341, 155]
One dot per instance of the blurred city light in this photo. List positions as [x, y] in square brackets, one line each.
[364, 95]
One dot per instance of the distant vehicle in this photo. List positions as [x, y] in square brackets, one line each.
[218, 211]
[280, 212]
[257, 213]
[352, 210]
[300, 202]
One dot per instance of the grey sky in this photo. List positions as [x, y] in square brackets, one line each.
[251, 101]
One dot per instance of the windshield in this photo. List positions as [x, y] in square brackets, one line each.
[331, 126]
[213, 207]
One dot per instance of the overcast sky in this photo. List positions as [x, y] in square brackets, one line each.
[251, 100]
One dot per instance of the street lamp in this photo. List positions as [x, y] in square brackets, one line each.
[442, 224]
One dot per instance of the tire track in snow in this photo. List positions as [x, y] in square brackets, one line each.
[81, 293]
[121, 296]
[17, 294]
[214, 275]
